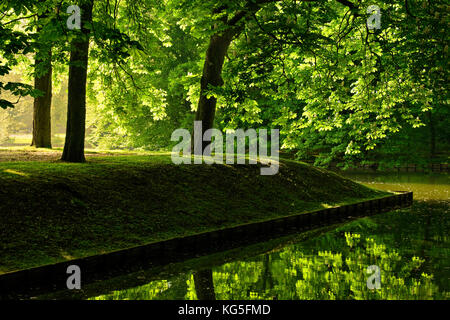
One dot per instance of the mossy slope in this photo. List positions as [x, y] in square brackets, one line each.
[51, 211]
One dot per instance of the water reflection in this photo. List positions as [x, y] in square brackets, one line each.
[425, 186]
[204, 285]
[411, 247]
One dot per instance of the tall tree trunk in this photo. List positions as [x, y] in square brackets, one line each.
[76, 109]
[204, 286]
[42, 105]
[212, 75]
[215, 57]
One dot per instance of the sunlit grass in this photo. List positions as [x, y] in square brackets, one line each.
[15, 172]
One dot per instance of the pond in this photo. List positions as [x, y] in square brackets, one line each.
[410, 248]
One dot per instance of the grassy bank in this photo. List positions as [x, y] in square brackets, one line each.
[51, 211]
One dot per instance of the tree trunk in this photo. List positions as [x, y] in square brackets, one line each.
[204, 286]
[42, 105]
[76, 109]
[212, 75]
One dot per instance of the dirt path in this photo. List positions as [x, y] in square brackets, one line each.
[38, 155]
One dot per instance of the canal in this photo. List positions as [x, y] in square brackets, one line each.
[410, 248]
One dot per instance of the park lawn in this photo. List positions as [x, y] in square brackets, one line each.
[51, 211]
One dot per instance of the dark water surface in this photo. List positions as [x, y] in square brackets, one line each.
[411, 247]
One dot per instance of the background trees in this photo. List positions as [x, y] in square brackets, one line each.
[336, 90]
[13, 41]
[43, 83]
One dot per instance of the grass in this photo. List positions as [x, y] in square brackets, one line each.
[25, 139]
[52, 211]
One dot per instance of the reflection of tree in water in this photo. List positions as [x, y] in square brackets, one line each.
[173, 289]
[204, 285]
[149, 291]
[305, 273]
[265, 280]
[332, 266]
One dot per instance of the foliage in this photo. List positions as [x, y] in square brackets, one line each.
[337, 90]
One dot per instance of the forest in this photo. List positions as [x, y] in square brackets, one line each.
[114, 119]
[338, 88]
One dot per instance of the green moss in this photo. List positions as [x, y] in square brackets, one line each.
[52, 211]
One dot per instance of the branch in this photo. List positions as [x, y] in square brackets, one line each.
[350, 5]
[407, 9]
[14, 20]
[252, 7]
[347, 3]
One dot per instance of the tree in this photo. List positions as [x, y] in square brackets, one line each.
[336, 89]
[76, 108]
[42, 104]
[228, 21]
[212, 74]
[225, 30]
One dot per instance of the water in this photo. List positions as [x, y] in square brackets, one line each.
[410, 246]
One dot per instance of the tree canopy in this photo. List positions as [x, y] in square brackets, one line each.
[335, 86]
